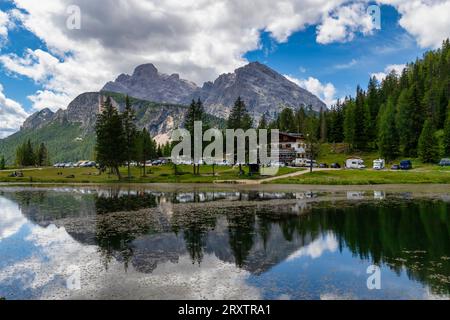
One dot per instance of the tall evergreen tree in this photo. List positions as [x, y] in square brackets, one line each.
[42, 158]
[2, 163]
[349, 123]
[336, 123]
[263, 122]
[111, 138]
[300, 118]
[195, 113]
[447, 133]
[285, 120]
[361, 121]
[387, 136]
[239, 119]
[323, 129]
[428, 144]
[146, 149]
[130, 133]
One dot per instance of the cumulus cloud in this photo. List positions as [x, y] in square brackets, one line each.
[326, 92]
[316, 248]
[426, 20]
[12, 115]
[4, 21]
[36, 65]
[398, 68]
[197, 39]
[343, 24]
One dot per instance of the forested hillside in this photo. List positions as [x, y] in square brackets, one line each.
[406, 114]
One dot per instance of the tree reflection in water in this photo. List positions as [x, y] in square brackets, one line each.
[411, 234]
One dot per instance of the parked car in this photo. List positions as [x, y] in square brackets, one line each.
[444, 163]
[379, 164]
[299, 162]
[405, 165]
[335, 165]
[223, 163]
[323, 165]
[395, 167]
[277, 164]
[355, 163]
[308, 163]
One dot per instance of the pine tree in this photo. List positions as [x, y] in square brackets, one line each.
[2, 163]
[263, 122]
[323, 130]
[387, 136]
[195, 113]
[286, 120]
[239, 119]
[111, 138]
[42, 158]
[428, 144]
[361, 121]
[130, 133]
[146, 148]
[300, 116]
[447, 133]
[373, 105]
[336, 123]
[349, 123]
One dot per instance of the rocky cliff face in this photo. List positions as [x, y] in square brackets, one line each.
[161, 96]
[38, 119]
[263, 90]
[148, 84]
[159, 119]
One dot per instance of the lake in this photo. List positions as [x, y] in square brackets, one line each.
[224, 242]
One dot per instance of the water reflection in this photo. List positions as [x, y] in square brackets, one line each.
[272, 244]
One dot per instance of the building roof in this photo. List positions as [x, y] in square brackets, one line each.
[293, 135]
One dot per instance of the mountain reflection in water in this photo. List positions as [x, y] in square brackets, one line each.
[264, 234]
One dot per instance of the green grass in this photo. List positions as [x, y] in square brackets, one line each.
[159, 174]
[364, 177]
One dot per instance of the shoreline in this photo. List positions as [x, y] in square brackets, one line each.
[416, 188]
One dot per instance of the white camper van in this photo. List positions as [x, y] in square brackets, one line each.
[379, 164]
[354, 164]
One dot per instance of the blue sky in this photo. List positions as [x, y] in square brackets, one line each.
[328, 48]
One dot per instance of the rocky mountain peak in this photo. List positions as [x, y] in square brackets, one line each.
[148, 84]
[38, 119]
[144, 70]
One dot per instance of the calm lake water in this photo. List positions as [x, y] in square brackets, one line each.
[207, 243]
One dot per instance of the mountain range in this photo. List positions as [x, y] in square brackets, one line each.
[263, 90]
[160, 102]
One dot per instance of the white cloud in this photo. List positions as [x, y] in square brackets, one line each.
[12, 220]
[197, 39]
[4, 21]
[398, 68]
[344, 23]
[347, 65]
[36, 65]
[12, 115]
[427, 20]
[326, 92]
[316, 248]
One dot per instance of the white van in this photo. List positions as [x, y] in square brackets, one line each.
[379, 164]
[299, 162]
[354, 164]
